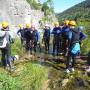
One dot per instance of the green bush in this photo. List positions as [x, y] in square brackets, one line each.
[8, 83]
[16, 47]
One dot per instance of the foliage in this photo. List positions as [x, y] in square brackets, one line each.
[32, 77]
[34, 4]
[8, 83]
[81, 10]
[47, 7]
[16, 47]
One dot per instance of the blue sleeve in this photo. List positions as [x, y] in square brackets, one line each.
[83, 36]
[53, 31]
[59, 31]
[70, 35]
[56, 31]
[67, 30]
[38, 35]
[18, 32]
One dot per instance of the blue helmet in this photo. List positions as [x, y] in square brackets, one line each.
[80, 28]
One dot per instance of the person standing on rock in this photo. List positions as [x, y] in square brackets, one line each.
[74, 46]
[56, 38]
[22, 34]
[27, 35]
[6, 38]
[46, 37]
[34, 38]
[65, 30]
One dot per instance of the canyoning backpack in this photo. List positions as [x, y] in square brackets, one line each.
[75, 49]
[3, 39]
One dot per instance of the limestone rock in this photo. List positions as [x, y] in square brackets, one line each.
[18, 11]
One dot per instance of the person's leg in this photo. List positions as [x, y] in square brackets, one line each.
[3, 62]
[54, 46]
[48, 41]
[58, 46]
[21, 41]
[39, 45]
[8, 57]
[31, 45]
[45, 43]
[35, 46]
[73, 61]
[27, 44]
[69, 62]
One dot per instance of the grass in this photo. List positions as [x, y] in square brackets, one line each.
[32, 77]
[16, 47]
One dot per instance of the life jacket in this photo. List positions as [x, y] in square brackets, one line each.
[57, 32]
[27, 33]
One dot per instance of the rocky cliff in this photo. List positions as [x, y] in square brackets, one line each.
[18, 11]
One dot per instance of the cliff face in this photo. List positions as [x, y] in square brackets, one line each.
[18, 11]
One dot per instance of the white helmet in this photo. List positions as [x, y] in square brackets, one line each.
[46, 25]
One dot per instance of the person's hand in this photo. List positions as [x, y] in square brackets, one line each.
[38, 42]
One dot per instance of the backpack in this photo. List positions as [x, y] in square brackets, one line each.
[75, 49]
[3, 40]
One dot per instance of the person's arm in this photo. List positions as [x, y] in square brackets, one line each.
[83, 36]
[75, 30]
[69, 37]
[38, 36]
[18, 32]
[59, 31]
[53, 31]
[12, 37]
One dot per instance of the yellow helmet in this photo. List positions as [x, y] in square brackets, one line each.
[56, 23]
[20, 25]
[66, 22]
[4, 24]
[28, 25]
[72, 23]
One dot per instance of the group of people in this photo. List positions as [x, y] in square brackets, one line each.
[66, 38]
[30, 37]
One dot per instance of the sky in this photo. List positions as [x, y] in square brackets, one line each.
[61, 5]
